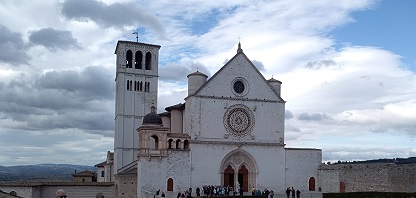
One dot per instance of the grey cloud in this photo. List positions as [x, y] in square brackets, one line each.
[92, 83]
[113, 15]
[288, 115]
[313, 116]
[320, 64]
[258, 64]
[12, 47]
[292, 128]
[65, 99]
[179, 72]
[54, 39]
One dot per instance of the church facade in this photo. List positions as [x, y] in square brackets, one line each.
[228, 132]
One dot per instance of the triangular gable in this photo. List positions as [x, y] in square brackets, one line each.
[240, 55]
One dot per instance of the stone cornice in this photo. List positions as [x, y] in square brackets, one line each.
[135, 74]
[238, 99]
[123, 148]
[129, 116]
[236, 143]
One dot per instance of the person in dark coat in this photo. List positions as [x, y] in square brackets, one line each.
[298, 193]
[288, 192]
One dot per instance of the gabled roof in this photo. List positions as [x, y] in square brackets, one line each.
[129, 169]
[239, 52]
[179, 106]
[101, 164]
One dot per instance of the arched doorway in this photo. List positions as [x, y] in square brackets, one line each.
[170, 185]
[312, 184]
[243, 178]
[342, 187]
[238, 167]
[229, 176]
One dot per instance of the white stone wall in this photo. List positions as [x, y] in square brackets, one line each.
[221, 84]
[207, 120]
[207, 159]
[301, 165]
[205, 111]
[175, 166]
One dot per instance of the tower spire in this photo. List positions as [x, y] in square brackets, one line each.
[239, 46]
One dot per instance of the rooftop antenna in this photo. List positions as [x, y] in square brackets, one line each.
[136, 32]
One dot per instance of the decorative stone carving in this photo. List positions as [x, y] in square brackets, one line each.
[238, 120]
[237, 159]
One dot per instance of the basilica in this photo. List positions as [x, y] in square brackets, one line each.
[228, 131]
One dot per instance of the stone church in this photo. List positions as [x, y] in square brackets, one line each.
[229, 131]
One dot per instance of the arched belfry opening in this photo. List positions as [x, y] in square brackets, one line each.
[148, 64]
[129, 59]
[238, 169]
[138, 60]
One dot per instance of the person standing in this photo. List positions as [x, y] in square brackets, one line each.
[293, 192]
[271, 193]
[198, 193]
[288, 192]
[298, 193]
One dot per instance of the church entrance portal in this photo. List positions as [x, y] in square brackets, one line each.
[243, 178]
[239, 170]
[229, 176]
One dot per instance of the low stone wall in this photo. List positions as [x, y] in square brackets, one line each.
[366, 177]
[32, 189]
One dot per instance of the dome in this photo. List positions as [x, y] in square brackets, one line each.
[152, 118]
[197, 73]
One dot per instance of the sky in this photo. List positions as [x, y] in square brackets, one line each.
[348, 70]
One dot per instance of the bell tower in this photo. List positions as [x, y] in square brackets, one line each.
[136, 92]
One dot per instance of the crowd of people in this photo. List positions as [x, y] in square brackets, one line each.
[216, 190]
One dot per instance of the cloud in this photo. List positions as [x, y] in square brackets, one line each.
[12, 47]
[313, 116]
[117, 15]
[54, 39]
[59, 99]
[179, 72]
[321, 63]
[291, 128]
[288, 115]
[258, 64]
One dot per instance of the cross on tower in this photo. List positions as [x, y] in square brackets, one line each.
[136, 32]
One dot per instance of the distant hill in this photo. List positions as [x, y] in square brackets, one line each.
[41, 172]
[409, 160]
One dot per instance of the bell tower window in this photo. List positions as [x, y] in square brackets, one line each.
[148, 61]
[129, 59]
[138, 60]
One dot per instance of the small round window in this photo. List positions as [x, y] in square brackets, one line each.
[239, 87]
